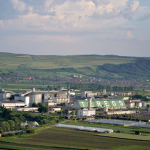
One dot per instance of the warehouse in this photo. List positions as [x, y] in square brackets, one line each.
[111, 104]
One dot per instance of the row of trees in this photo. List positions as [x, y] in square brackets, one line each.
[98, 87]
[141, 97]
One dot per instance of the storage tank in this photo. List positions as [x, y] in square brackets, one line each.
[144, 104]
[139, 104]
[104, 91]
[37, 98]
[105, 109]
[33, 89]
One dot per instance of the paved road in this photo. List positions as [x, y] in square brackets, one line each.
[13, 132]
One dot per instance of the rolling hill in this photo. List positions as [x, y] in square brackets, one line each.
[109, 66]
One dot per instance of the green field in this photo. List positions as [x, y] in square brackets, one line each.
[62, 138]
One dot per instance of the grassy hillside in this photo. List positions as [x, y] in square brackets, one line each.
[86, 65]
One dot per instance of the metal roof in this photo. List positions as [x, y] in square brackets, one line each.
[34, 93]
[102, 103]
[117, 122]
[11, 101]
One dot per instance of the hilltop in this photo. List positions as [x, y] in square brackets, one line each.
[108, 66]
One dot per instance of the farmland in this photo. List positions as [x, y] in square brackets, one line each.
[68, 138]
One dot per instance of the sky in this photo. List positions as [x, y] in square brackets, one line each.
[75, 27]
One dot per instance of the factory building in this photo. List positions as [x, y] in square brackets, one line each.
[135, 104]
[86, 94]
[86, 112]
[46, 97]
[4, 95]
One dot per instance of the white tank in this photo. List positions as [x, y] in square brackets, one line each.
[104, 91]
[37, 98]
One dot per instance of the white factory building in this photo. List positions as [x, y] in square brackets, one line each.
[4, 95]
[86, 112]
[47, 97]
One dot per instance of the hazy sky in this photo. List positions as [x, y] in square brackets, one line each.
[68, 27]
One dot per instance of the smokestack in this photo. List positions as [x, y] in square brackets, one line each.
[89, 103]
[33, 89]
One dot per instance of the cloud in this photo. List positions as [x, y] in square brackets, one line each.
[127, 28]
[73, 17]
[1, 22]
[116, 34]
[130, 9]
[19, 5]
[144, 17]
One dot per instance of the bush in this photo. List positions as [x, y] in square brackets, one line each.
[34, 105]
[137, 132]
[120, 131]
[1, 131]
[30, 131]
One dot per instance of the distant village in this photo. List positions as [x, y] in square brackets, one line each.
[76, 79]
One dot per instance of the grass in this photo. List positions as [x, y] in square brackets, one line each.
[26, 85]
[41, 65]
[62, 138]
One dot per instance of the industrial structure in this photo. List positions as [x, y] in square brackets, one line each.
[46, 97]
[4, 95]
[26, 99]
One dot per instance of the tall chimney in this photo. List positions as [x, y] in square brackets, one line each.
[33, 89]
[89, 103]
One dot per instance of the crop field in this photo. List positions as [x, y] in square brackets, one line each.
[73, 139]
